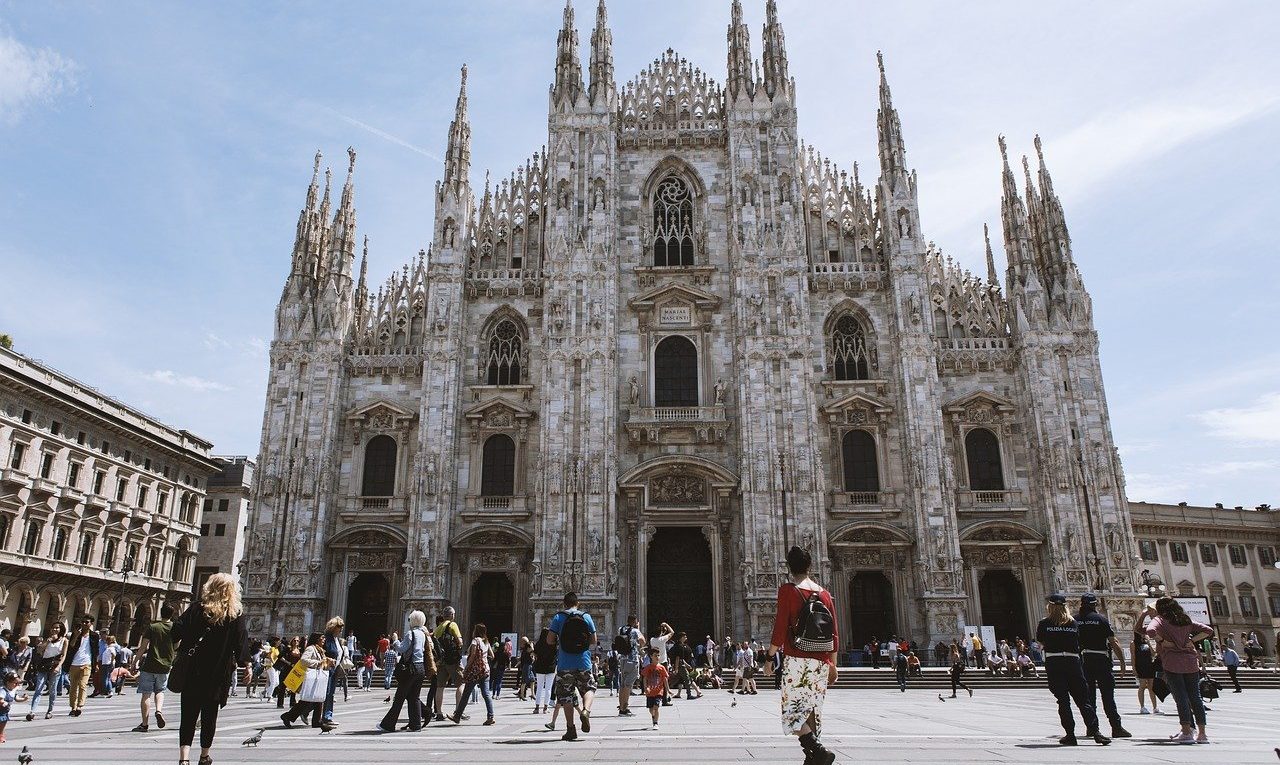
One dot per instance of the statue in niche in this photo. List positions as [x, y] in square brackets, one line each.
[300, 546]
[762, 542]
[596, 478]
[424, 544]
[596, 544]
[634, 386]
[553, 549]
[904, 224]
[720, 389]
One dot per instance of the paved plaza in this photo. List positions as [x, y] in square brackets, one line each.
[863, 726]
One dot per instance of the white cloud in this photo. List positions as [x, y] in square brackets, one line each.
[1257, 424]
[1154, 487]
[1236, 467]
[214, 343]
[198, 384]
[29, 76]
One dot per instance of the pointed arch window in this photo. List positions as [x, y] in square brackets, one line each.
[982, 450]
[849, 356]
[672, 223]
[498, 474]
[675, 373]
[379, 467]
[861, 468]
[503, 363]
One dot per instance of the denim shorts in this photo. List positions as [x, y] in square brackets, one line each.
[153, 682]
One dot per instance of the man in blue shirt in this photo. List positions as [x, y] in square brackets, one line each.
[573, 633]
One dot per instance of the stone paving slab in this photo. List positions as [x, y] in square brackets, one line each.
[864, 726]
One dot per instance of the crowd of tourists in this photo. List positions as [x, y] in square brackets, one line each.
[205, 655]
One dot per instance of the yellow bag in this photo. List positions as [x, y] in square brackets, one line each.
[293, 681]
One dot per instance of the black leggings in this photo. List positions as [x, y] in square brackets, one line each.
[203, 706]
[956, 670]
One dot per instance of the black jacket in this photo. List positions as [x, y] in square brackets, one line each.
[224, 648]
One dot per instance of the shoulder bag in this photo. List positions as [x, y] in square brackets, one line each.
[180, 671]
[404, 665]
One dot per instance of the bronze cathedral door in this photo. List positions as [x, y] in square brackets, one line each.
[679, 587]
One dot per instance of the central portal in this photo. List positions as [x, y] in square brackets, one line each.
[1004, 606]
[368, 602]
[679, 589]
[493, 602]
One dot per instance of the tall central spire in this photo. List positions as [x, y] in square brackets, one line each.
[893, 151]
[601, 58]
[740, 79]
[775, 52]
[457, 158]
[568, 68]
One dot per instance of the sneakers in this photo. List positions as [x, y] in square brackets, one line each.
[1184, 738]
[549, 726]
[489, 721]
[1202, 739]
[284, 718]
[1144, 711]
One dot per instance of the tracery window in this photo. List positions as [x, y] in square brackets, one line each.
[672, 223]
[982, 450]
[379, 467]
[675, 373]
[849, 355]
[861, 472]
[498, 473]
[503, 363]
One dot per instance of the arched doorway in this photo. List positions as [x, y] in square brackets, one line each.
[493, 602]
[1004, 604]
[368, 607]
[679, 589]
[870, 608]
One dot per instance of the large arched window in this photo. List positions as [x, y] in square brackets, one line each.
[675, 373]
[849, 357]
[498, 475]
[861, 472]
[502, 364]
[379, 467]
[672, 223]
[982, 450]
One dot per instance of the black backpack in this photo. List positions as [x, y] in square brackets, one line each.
[814, 630]
[450, 647]
[622, 642]
[575, 635]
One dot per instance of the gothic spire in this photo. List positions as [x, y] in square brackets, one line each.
[893, 152]
[1055, 218]
[601, 58]
[740, 80]
[775, 52]
[568, 67]
[344, 223]
[307, 219]
[992, 280]
[457, 158]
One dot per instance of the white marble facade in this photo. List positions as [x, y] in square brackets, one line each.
[683, 341]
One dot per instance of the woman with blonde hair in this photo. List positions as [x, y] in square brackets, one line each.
[335, 650]
[212, 642]
[1059, 633]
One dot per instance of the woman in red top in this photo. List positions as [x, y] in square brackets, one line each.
[809, 665]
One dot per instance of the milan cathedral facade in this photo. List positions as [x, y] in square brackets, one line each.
[672, 344]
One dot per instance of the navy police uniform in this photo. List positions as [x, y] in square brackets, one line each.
[1065, 674]
[1095, 655]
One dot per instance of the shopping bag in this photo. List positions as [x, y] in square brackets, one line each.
[315, 687]
[293, 680]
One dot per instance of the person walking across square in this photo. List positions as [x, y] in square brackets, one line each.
[804, 626]
[573, 633]
[655, 685]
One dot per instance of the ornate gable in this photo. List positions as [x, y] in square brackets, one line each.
[380, 417]
[857, 408]
[498, 414]
[980, 406]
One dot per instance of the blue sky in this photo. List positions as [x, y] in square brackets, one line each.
[155, 156]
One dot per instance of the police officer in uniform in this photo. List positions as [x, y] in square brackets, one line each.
[1059, 633]
[1097, 644]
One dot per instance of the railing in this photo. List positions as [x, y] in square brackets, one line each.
[504, 274]
[477, 507]
[375, 503]
[678, 413]
[862, 501]
[495, 503]
[844, 269]
[973, 343]
[988, 498]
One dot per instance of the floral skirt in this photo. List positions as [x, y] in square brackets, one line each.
[804, 687]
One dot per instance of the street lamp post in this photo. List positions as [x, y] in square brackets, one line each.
[126, 568]
[1152, 584]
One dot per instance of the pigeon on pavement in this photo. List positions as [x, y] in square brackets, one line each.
[254, 739]
[25, 758]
